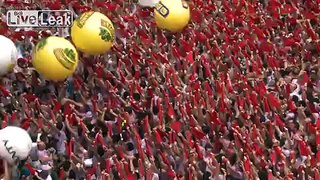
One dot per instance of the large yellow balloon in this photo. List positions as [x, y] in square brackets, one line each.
[172, 15]
[93, 33]
[55, 58]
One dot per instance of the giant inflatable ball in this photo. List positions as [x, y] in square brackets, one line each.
[93, 33]
[8, 55]
[148, 3]
[172, 15]
[15, 144]
[55, 58]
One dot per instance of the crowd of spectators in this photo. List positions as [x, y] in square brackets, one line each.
[233, 96]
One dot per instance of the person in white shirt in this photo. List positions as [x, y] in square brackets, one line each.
[45, 157]
[60, 137]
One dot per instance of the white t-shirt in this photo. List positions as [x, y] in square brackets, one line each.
[155, 176]
[296, 91]
[34, 152]
[61, 148]
[44, 165]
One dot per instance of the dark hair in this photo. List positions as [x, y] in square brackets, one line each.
[204, 111]
[79, 131]
[128, 109]
[130, 146]
[100, 150]
[284, 73]
[143, 84]
[206, 175]
[155, 110]
[295, 99]
[125, 135]
[43, 137]
[44, 174]
[126, 94]
[141, 132]
[206, 129]
[233, 158]
[104, 132]
[281, 97]
[116, 138]
[263, 174]
[72, 174]
[136, 96]
[115, 174]
[296, 124]
[302, 103]
[59, 125]
[308, 113]
[66, 165]
[90, 153]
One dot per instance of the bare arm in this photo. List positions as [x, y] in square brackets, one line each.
[73, 132]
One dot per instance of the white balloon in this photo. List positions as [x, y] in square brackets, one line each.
[148, 3]
[8, 55]
[15, 144]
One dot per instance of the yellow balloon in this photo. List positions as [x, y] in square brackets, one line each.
[93, 33]
[55, 58]
[172, 15]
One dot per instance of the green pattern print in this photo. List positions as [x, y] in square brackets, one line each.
[105, 35]
[41, 44]
[79, 22]
[70, 54]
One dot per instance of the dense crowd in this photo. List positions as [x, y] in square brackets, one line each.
[234, 96]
